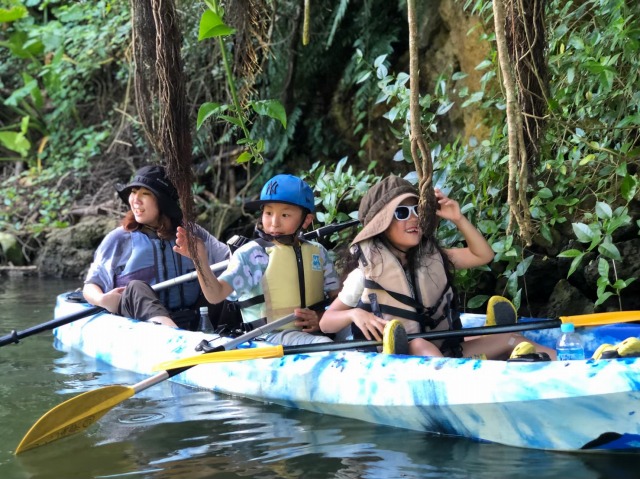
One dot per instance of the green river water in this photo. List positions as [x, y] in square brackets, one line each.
[170, 431]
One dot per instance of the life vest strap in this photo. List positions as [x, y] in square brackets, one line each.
[247, 303]
[391, 310]
[424, 316]
[402, 298]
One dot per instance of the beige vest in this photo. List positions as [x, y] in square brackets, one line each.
[432, 289]
[281, 284]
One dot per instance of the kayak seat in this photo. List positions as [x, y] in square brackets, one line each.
[394, 339]
[629, 348]
[526, 352]
[75, 297]
[500, 311]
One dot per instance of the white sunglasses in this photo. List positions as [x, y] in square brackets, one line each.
[402, 213]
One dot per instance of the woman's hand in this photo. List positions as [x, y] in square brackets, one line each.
[111, 300]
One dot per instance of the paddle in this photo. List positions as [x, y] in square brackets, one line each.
[15, 336]
[594, 319]
[78, 413]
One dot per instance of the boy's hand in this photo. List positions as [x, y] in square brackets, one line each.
[307, 319]
[182, 246]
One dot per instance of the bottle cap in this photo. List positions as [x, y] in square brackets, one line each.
[567, 328]
[205, 310]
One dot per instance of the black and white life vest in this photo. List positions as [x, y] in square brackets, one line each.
[423, 303]
[153, 260]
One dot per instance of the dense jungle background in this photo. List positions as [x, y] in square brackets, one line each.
[321, 89]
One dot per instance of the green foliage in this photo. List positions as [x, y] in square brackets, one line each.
[338, 186]
[595, 106]
[339, 190]
[598, 235]
[320, 81]
[63, 60]
[213, 26]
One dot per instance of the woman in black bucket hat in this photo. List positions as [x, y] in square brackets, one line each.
[139, 254]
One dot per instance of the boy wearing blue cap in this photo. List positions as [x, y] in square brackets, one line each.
[279, 273]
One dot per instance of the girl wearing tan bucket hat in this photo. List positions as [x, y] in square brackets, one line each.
[405, 275]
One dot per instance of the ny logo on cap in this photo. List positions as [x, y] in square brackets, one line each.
[272, 188]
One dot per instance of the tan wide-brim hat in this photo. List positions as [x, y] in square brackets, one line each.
[379, 203]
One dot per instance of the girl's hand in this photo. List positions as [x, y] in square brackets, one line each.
[371, 326]
[449, 209]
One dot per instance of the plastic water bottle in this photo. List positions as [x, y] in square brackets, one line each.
[569, 345]
[205, 323]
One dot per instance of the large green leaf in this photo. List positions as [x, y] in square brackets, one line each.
[610, 251]
[583, 232]
[272, 109]
[13, 14]
[212, 26]
[208, 109]
[15, 142]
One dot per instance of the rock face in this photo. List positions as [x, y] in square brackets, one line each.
[69, 252]
[566, 300]
[551, 294]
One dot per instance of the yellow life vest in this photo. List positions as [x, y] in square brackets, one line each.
[290, 269]
[425, 305]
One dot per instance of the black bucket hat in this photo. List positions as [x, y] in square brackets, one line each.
[154, 178]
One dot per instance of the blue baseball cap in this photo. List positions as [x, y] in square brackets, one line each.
[287, 189]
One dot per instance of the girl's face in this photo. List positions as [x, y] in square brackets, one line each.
[144, 205]
[282, 219]
[404, 234]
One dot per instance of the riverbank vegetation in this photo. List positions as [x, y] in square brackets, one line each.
[69, 126]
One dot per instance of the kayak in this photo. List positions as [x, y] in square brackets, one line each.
[577, 406]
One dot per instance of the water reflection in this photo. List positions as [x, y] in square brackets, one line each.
[170, 431]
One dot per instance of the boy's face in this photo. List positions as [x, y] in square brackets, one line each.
[283, 219]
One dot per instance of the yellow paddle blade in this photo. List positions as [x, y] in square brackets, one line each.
[222, 357]
[597, 319]
[73, 415]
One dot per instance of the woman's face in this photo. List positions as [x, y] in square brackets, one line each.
[144, 206]
[405, 234]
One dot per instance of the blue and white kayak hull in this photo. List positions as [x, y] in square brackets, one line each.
[562, 405]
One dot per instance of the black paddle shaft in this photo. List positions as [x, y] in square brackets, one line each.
[430, 335]
[15, 336]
